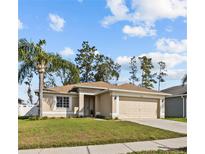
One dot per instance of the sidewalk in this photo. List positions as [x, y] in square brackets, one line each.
[118, 148]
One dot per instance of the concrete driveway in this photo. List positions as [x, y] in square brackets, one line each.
[175, 126]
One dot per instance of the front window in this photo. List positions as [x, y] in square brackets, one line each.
[62, 102]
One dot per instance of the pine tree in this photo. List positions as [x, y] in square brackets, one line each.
[133, 73]
[147, 76]
[105, 68]
[162, 73]
[85, 62]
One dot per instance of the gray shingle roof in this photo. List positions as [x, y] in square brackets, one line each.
[176, 90]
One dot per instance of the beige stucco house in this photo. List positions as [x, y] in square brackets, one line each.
[101, 98]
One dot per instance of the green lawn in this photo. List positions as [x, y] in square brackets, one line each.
[84, 131]
[178, 119]
[179, 151]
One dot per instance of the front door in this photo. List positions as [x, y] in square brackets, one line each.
[89, 106]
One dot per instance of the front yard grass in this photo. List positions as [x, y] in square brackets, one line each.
[84, 131]
[177, 119]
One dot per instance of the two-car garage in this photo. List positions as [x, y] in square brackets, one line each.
[133, 107]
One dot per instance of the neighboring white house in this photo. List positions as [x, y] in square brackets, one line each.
[26, 109]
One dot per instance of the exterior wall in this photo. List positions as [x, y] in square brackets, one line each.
[48, 103]
[138, 95]
[174, 107]
[115, 106]
[49, 106]
[105, 104]
[97, 105]
[88, 90]
[81, 104]
[161, 108]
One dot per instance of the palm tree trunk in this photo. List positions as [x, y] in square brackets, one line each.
[41, 76]
[41, 71]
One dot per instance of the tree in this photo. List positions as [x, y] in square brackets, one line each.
[33, 59]
[162, 73]
[85, 62]
[105, 68]
[68, 74]
[147, 77]
[133, 66]
[184, 80]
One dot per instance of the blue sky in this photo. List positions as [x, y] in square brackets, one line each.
[118, 28]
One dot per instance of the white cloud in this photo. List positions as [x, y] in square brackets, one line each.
[20, 24]
[171, 59]
[158, 9]
[171, 45]
[176, 73]
[144, 13]
[56, 22]
[122, 60]
[138, 31]
[119, 12]
[67, 51]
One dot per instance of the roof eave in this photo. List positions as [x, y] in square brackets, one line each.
[93, 87]
[142, 92]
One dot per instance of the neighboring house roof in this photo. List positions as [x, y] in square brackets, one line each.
[176, 90]
[101, 85]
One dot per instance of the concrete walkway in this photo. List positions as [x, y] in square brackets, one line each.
[118, 148]
[180, 127]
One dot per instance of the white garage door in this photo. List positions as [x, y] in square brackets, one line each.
[137, 108]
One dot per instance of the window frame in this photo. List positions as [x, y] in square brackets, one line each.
[63, 105]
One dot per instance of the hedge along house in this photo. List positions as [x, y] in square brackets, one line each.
[100, 98]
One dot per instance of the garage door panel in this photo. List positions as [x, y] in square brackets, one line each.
[138, 109]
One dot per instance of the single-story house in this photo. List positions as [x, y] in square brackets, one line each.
[175, 105]
[104, 99]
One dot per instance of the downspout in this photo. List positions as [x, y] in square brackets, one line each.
[183, 105]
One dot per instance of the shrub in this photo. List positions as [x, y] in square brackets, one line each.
[34, 118]
[23, 117]
[108, 118]
[43, 118]
[100, 116]
[116, 118]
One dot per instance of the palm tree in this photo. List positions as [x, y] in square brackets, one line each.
[33, 59]
[184, 80]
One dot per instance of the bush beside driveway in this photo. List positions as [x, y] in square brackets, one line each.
[85, 131]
